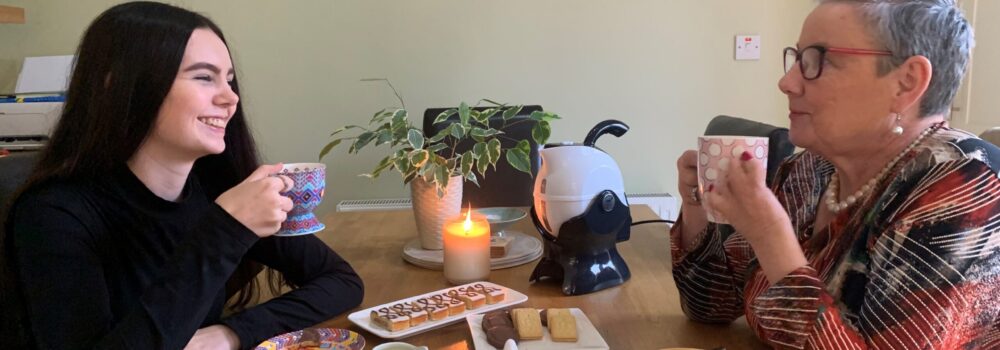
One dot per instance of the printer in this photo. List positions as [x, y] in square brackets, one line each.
[28, 117]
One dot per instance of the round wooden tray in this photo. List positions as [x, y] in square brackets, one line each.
[522, 250]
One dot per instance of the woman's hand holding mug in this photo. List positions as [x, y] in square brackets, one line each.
[257, 203]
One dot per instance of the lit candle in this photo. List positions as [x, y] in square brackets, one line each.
[466, 249]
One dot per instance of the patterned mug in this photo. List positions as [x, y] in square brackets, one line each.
[717, 153]
[310, 185]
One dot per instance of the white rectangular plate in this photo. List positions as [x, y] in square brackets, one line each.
[587, 336]
[363, 318]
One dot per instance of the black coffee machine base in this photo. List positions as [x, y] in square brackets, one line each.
[584, 256]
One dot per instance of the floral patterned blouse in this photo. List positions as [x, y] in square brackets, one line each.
[915, 267]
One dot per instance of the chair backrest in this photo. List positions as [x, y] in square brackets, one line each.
[992, 136]
[779, 146]
[14, 171]
[505, 186]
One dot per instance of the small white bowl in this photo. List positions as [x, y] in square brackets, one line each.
[501, 217]
[398, 346]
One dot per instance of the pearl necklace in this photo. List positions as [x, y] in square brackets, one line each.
[831, 188]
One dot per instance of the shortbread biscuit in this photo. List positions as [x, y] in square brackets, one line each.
[527, 322]
[562, 325]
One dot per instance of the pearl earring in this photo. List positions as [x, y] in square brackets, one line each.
[898, 130]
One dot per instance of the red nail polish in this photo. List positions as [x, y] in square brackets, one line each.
[746, 156]
[711, 187]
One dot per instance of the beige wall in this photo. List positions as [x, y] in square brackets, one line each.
[663, 67]
[976, 107]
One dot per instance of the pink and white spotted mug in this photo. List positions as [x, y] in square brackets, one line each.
[717, 153]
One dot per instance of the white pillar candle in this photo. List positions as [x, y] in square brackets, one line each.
[466, 249]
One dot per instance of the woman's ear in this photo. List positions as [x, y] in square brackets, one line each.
[912, 77]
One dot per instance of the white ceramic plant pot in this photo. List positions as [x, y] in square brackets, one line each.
[431, 211]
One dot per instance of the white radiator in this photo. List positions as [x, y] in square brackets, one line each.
[663, 204]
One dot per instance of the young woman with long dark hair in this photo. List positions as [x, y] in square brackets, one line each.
[149, 202]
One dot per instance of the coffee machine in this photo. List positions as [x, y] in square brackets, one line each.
[581, 211]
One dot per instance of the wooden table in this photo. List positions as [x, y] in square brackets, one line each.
[643, 313]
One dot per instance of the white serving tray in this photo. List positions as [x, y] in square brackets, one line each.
[363, 318]
[587, 336]
[524, 249]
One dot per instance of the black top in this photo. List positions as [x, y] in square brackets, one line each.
[110, 265]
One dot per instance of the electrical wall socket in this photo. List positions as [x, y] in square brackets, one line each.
[747, 47]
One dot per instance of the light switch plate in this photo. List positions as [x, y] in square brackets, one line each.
[747, 47]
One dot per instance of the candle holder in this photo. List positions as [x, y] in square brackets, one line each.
[466, 249]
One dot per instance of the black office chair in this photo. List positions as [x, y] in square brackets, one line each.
[779, 146]
[14, 171]
[505, 186]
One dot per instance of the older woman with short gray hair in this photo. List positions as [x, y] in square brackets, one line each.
[883, 232]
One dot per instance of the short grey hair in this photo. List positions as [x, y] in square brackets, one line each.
[935, 29]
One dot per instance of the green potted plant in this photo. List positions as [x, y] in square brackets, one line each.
[432, 164]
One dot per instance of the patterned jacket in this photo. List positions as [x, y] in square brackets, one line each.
[916, 266]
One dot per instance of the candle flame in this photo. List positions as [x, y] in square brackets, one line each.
[467, 225]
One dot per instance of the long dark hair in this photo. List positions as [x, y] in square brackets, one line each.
[125, 66]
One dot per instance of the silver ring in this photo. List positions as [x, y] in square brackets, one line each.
[694, 195]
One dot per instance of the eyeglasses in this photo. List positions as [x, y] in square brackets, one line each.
[810, 59]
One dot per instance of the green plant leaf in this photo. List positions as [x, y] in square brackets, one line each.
[544, 116]
[524, 146]
[382, 165]
[418, 157]
[519, 160]
[439, 160]
[483, 163]
[441, 178]
[477, 134]
[452, 163]
[408, 176]
[468, 159]
[435, 148]
[416, 139]
[511, 112]
[399, 117]
[326, 149]
[403, 164]
[479, 149]
[493, 149]
[457, 130]
[480, 134]
[399, 133]
[464, 112]
[384, 136]
[362, 141]
[498, 104]
[484, 117]
[472, 177]
[445, 115]
[428, 171]
[380, 118]
[541, 132]
[375, 116]
[440, 135]
[345, 128]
